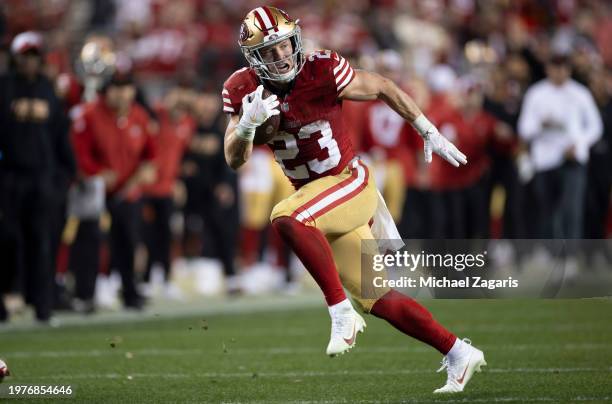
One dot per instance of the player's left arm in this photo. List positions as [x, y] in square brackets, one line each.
[371, 86]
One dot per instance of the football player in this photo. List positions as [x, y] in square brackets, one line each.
[327, 217]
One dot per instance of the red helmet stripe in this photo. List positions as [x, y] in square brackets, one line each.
[260, 21]
[264, 19]
[271, 17]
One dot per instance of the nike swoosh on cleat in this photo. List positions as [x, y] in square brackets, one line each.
[460, 380]
[351, 340]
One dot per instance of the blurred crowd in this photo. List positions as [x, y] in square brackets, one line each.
[126, 173]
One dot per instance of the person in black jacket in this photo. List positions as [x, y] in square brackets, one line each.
[34, 153]
[211, 209]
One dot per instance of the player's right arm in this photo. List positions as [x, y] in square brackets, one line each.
[240, 132]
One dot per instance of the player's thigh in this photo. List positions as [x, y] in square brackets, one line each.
[354, 262]
[334, 204]
[292, 205]
[351, 213]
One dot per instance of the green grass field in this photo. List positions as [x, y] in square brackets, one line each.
[538, 351]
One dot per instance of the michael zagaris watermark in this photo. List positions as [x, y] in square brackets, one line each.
[485, 268]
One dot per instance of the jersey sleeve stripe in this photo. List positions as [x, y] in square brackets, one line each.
[340, 66]
[343, 74]
[227, 103]
[347, 80]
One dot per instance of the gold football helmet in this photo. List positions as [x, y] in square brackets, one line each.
[96, 63]
[266, 26]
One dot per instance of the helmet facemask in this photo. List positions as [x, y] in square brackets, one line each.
[268, 70]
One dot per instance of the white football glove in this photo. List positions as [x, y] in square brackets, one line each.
[255, 111]
[436, 143]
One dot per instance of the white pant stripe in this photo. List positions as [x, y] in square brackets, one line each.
[335, 196]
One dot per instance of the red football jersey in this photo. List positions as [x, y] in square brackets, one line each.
[311, 142]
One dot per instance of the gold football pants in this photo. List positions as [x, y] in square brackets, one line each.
[341, 207]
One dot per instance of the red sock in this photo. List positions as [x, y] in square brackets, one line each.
[249, 245]
[411, 318]
[312, 248]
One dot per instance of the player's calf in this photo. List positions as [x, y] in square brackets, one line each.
[312, 248]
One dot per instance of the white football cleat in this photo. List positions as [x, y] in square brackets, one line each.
[460, 367]
[346, 323]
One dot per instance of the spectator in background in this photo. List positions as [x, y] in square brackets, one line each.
[503, 103]
[112, 140]
[212, 208]
[560, 122]
[419, 213]
[175, 132]
[461, 206]
[599, 181]
[34, 153]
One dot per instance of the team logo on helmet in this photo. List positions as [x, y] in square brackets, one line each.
[244, 32]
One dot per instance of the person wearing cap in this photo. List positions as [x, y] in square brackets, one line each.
[559, 121]
[34, 150]
[112, 139]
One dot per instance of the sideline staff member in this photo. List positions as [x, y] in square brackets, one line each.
[34, 147]
[111, 140]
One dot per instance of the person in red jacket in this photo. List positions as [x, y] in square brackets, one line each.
[111, 139]
[462, 192]
[175, 131]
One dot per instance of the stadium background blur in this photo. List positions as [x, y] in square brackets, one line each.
[473, 58]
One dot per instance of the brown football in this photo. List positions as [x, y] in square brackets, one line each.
[267, 130]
